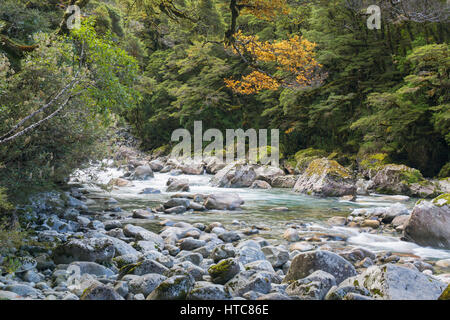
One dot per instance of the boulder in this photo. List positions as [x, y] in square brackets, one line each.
[142, 214]
[191, 167]
[327, 178]
[119, 182]
[214, 165]
[175, 202]
[306, 263]
[268, 173]
[223, 201]
[250, 280]
[391, 282]
[177, 185]
[174, 288]
[400, 179]
[275, 255]
[140, 233]
[156, 165]
[260, 184]
[235, 175]
[100, 292]
[142, 173]
[91, 268]
[224, 271]
[207, 291]
[88, 249]
[145, 284]
[284, 181]
[429, 224]
[313, 287]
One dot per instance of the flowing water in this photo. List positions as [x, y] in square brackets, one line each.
[309, 212]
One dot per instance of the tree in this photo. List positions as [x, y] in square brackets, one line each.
[294, 61]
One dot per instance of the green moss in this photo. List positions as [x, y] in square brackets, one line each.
[330, 167]
[445, 171]
[374, 161]
[221, 267]
[304, 157]
[442, 200]
[446, 294]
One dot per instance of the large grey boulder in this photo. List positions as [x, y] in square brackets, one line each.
[207, 291]
[100, 292]
[177, 185]
[313, 287]
[140, 233]
[284, 181]
[223, 201]
[276, 256]
[268, 173]
[191, 167]
[224, 270]
[306, 263]
[391, 282]
[89, 249]
[235, 175]
[250, 280]
[145, 284]
[144, 172]
[173, 288]
[91, 268]
[326, 178]
[429, 224]
[400, 179]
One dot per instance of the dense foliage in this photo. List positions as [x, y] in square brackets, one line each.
[310, 68]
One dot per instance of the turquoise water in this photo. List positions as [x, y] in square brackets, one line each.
[311, 213]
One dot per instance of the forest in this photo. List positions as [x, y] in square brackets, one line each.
[312, 69]
[91, 92]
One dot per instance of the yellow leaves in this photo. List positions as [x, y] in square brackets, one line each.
[253, 83]
[290, 130]
[294, 57]
[264, 9]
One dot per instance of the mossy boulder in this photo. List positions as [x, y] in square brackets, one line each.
[445, 171]
[370, 164]
[401, 179]
[390, 282]
[98, 250]
[224, 271]
[446, 294]
[100, 292]
[325, 177]
[429, 224]
[304, 157]
[173, 288]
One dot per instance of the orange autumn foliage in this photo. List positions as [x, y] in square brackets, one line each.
[264, 9]
[294, 60]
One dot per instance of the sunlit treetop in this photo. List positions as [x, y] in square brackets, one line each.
[294, 60]
[263, 9]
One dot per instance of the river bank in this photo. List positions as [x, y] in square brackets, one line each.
[121, 235]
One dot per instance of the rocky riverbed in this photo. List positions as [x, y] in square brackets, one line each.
[166, 230]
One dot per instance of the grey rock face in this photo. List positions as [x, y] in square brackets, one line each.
[224, 201]
[224, 271]
[313, 287]
[146, 283]
[276, 256]
[429, 224]
[306, 263]
[207, 291]
[174, 288]
[327, 178]
[89, 249]
[100, 292]
[393, 282]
